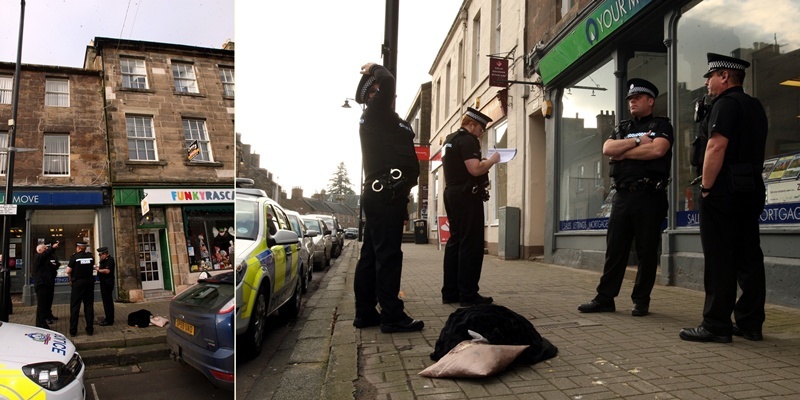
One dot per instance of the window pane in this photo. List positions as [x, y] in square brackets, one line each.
[3, 153]
[56, 93]
[226, 76]
[183, 75]
[195, 129]
[134, 74]
[6, 84]
[772, 47]
[588, 119]
[56, 154]
[141, 138]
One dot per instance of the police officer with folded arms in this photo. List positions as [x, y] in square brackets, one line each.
[80, 270]
[640, 150]
[391, 169]
[466, 188]
[733, 197]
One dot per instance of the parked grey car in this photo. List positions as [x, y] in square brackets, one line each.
[336, 232]
[306, 236]
[323, 248]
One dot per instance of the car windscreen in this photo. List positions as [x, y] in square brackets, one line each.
[206, 296]
[312, 224]
[246, 219]
[296, 225]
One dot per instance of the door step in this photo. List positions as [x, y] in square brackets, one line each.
[157, 295]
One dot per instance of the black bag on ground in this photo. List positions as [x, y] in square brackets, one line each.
[139, 318]
[498, 325]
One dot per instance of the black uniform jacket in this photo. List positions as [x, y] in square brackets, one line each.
[387, 141]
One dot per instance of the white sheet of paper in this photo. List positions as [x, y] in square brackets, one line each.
[506, 155]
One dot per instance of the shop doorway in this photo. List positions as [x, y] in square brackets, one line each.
[150, 267]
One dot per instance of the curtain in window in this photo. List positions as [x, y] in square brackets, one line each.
[56, 155]
[57, 93]
[3, 153]
[6, 84]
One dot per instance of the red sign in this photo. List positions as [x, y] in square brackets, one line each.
[444, 229]
[498, 72]
[423, 152]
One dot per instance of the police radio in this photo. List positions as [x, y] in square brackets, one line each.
[700, 109]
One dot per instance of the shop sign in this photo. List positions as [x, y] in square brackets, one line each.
[498, 72]
[604, 20]
[43, 198]
[189, 196]
[444, 228]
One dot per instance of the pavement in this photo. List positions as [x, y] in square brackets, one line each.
[118, 344]
[605, 355]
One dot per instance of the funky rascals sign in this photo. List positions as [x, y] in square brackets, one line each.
[604, 20]
[189, 196]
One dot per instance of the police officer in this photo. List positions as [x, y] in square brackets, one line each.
[45, 267]
[391, 169]
[733, 196]
[105, 273]
[79, 269]
[641, 152]
[466, 181]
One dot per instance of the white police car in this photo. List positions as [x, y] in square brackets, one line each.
[37, 363]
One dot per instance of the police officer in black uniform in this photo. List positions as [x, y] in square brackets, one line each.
[466, 175]
[80, 269]
[45, 267]
[391, 169]
[733, 196]
[641, 153]
[105, 273]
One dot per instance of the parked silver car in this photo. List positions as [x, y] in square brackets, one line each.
[336, 232]
[323, 247]
[306, 236]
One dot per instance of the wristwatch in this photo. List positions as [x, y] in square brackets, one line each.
[704, 189]
[638, 141]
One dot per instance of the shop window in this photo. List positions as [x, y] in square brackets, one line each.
[498, 195]
[773, 50]
[210, 235]
[587, 120]
[68, 227]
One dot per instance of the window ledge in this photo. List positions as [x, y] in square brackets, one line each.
[203, 164]
[188, 94]
[135, 90]
[145, 163]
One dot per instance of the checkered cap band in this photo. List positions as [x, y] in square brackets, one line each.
[640, 89]
[477, 117]
[724, 65]
[366, 87]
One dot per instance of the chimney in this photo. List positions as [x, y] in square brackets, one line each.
[297, 193]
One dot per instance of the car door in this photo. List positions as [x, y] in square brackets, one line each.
[287, 259]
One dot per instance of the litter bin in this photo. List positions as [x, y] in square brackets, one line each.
[420, 231]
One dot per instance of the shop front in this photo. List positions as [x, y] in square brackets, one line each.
[584, 71]
[179, 232]
[49, 216]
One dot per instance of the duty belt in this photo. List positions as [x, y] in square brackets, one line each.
[644, 184]
[390, 182]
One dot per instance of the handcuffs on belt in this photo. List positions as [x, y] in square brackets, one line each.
[643, 184]
[392, 181]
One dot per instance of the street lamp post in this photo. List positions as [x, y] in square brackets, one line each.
[5, 287]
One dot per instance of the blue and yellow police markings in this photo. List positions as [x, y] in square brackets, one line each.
[286, 270]
[15, 385]
[261, 262]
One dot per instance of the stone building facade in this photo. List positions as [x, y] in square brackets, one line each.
[61, 178]
[170, 117]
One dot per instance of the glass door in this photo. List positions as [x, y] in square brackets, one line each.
[150, 260]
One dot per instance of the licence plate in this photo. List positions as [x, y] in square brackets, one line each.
[184, 326]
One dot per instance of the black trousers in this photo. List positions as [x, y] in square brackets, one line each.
[731, 241]
[463, 254]
[380, 266]
[44, 302]
[107, 294]
[636, 217]
[82, 293]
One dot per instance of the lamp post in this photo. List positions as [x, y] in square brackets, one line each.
[361, 184]
[5, 287]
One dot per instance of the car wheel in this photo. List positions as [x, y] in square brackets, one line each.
[254, 337]
[292, 307]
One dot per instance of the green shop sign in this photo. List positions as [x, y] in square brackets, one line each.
[609, 16]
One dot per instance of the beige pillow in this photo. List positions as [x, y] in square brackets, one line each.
[473, 360]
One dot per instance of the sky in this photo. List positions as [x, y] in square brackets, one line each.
[297, 62]
[56, 32]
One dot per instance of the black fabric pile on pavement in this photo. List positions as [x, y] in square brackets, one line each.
[499, 325]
